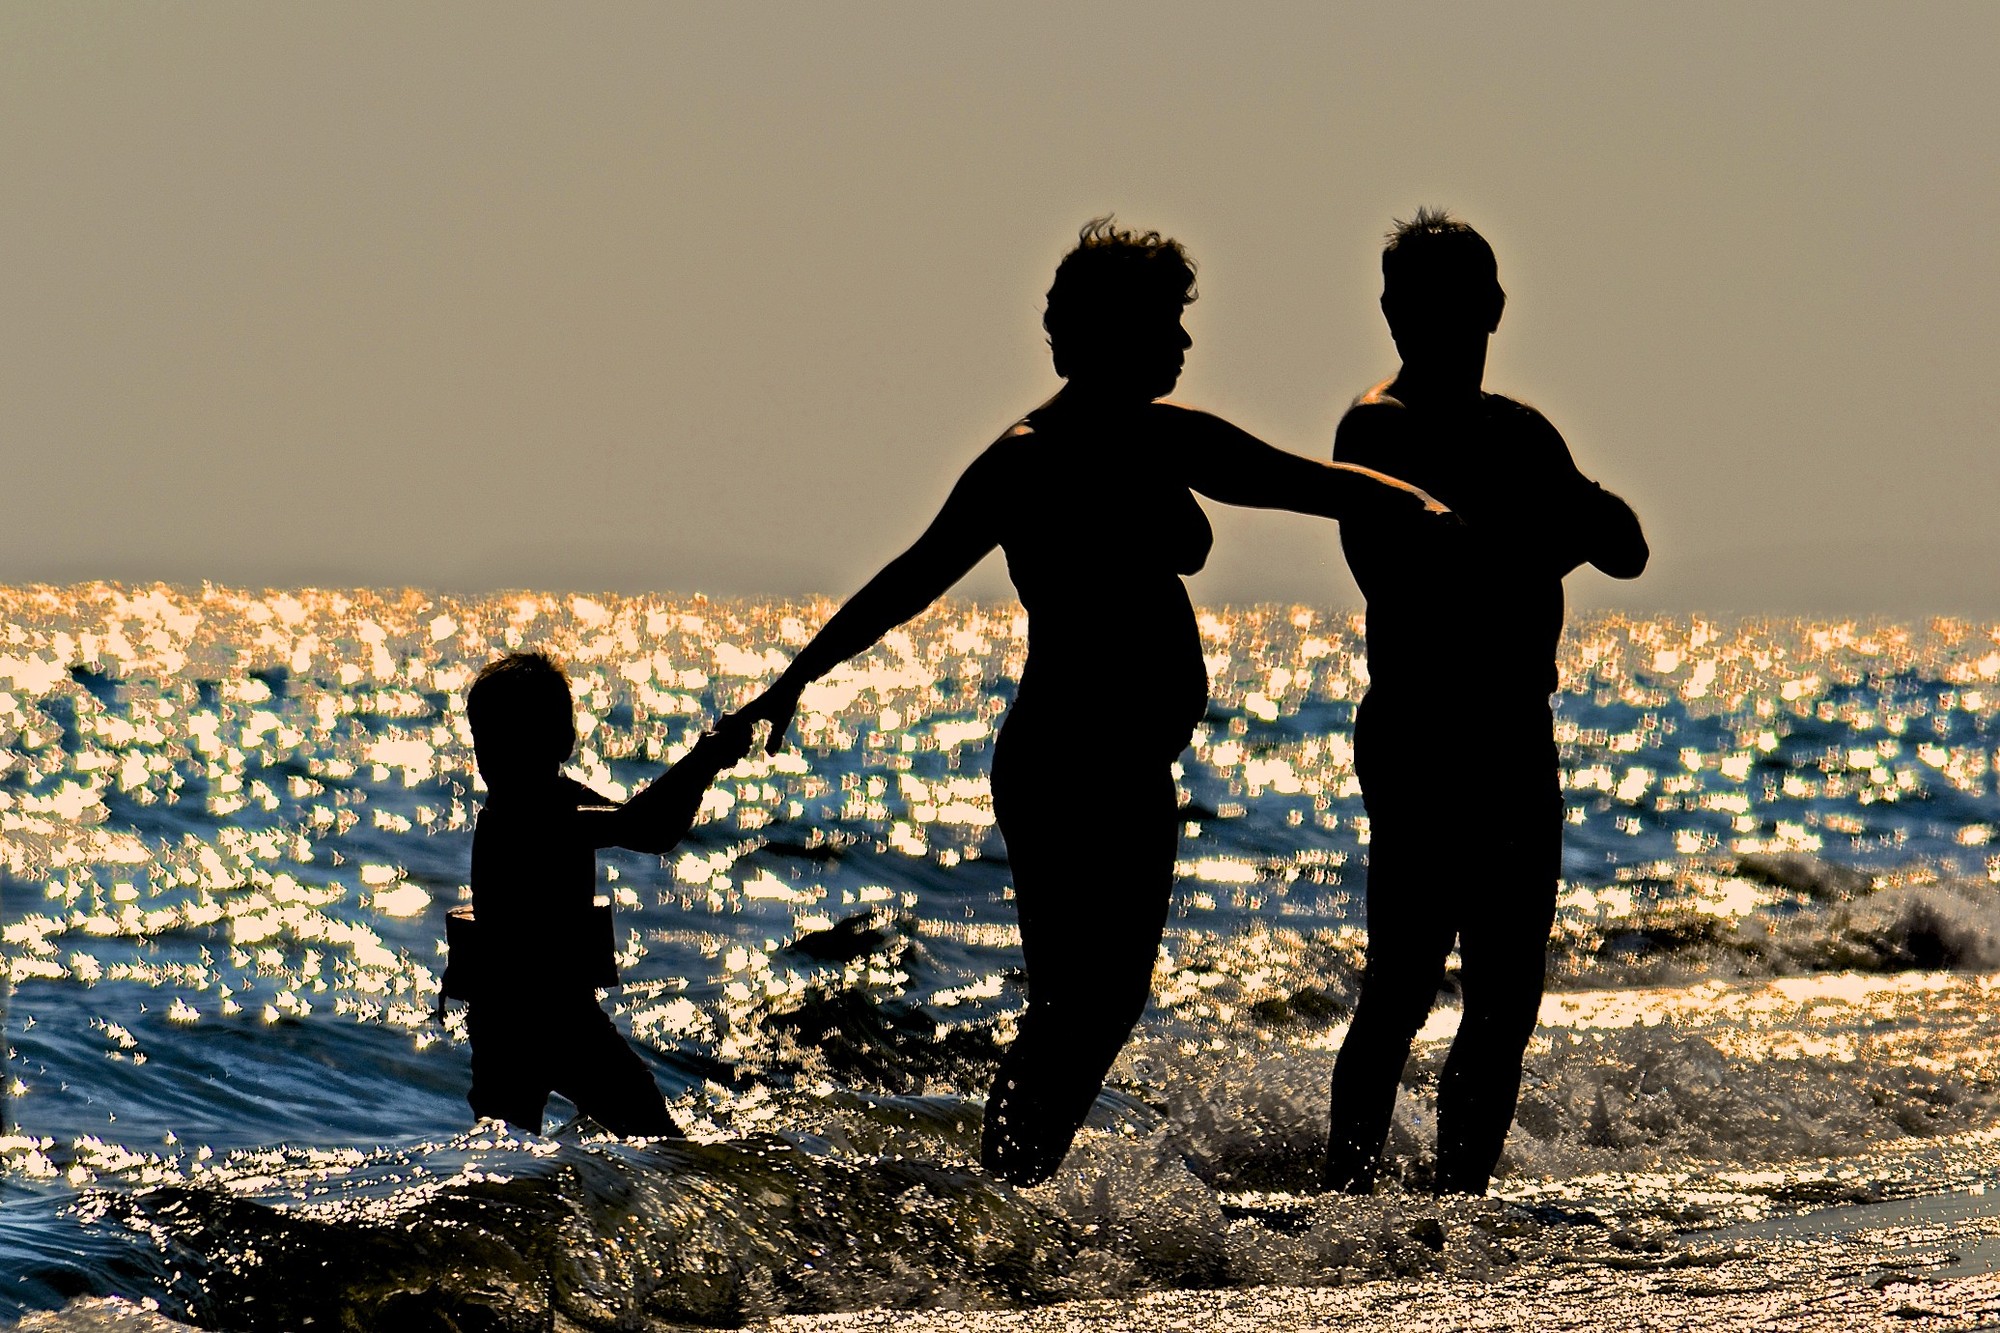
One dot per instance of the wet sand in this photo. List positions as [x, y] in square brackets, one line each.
[1729, 1296]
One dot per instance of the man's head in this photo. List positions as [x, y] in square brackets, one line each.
[1440, 286]
[1114, 312]
[523, 719]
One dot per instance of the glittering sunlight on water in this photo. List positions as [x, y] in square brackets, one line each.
[231, 823]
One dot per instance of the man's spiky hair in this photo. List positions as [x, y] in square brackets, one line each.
[1435, 248]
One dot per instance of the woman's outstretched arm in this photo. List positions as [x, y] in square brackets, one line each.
[956, 540]
[1228, 463]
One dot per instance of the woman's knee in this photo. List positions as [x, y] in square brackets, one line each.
[1087, 1036]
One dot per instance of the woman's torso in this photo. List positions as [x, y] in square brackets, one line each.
[1099, 527]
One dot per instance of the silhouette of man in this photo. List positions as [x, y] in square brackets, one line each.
[1462, 629]
[534, 1020]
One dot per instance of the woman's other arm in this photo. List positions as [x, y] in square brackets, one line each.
[1228, 463]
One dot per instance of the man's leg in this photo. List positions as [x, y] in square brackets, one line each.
[1409, 934]
[1412, 864]
[1503, 950]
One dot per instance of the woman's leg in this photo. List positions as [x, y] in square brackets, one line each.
[1092, 874]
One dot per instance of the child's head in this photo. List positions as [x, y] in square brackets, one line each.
[523, 720]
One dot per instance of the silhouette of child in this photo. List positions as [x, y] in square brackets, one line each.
[535, 1023]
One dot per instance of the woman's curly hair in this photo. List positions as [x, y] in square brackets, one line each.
[1113, 274]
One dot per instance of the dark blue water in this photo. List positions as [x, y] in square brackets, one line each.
[230, 826]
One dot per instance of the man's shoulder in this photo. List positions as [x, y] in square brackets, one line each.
[1376, 409]
[1515, 414]
[1374, 419]
[1530, 438]
[1377, 401]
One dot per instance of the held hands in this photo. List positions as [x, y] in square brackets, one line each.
[660, 814]
[775, 705]
[725, 745]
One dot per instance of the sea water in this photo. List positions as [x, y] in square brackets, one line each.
[231, 823]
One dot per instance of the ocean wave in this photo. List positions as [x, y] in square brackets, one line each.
[233, 821]
[1653, 1112]
[1814, 917]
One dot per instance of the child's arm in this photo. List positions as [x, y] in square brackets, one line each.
[661, 814]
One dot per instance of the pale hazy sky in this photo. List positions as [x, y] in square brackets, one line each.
[722, 297]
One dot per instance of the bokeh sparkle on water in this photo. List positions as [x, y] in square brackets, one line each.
[230, 824]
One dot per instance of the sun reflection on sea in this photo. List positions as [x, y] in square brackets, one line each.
[226, 807]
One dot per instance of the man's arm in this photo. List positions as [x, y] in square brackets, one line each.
[1608, 533]
[1592, 526]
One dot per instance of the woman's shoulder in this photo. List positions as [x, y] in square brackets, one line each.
[1052, 434]
[1016, 445]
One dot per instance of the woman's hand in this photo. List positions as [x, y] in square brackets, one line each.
[775, 705]
[1422, 500]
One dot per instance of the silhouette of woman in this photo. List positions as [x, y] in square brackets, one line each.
[1088, 496]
